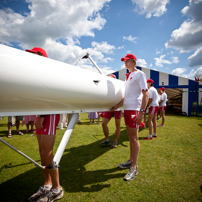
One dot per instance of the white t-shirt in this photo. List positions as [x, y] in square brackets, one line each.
[153, 93]
[164, 98]
[159, 97]
[134, 86]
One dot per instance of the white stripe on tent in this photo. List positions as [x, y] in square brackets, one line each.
[163, 79]
[183, 81]
[147, 72]
[200, 96]
[185, 100]
[122, 74]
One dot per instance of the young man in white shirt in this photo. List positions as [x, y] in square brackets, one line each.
[162, 105]
[153, 103]
[134, 104]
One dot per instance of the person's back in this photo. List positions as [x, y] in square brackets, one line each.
[162, 105]
[155, 97]
[164, 98]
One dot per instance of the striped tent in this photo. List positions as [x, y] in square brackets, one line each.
[177, 88]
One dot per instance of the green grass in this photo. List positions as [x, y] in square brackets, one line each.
[170, 166]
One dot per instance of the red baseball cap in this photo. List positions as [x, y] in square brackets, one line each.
[150, 81]
[38, 50]
[162, 88]
[128, 57]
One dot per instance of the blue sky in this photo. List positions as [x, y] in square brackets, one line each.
[165, 35]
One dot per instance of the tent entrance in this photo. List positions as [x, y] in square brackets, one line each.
[177, 101]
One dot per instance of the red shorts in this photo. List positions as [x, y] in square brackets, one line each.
[109, 115]
[128, 118]
[163, 109]
[49, 125]
[153, 110]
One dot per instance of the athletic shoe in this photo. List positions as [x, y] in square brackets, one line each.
[51, 196]
[148, 138]
[105, 143]
[131, 174]
[125, 165]
[114, 145]
[154, 135]
[42, 190]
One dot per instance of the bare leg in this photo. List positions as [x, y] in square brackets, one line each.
[134, 145]
[118, 129]
[163, 119]
[105, 128]
[150, 119]
[17, 123]
[51, 176]
[27, 127]
[32, 125]
[9, 130]
[154, 123]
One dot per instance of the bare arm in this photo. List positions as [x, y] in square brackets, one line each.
[160, 102]
[149, 102]
[143, 106]
[117, 106]
[39, 122]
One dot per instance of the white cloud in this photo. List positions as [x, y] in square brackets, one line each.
[198, 71]
[130, 38]
[48, 19]
[179, 71]
[159, 51]
[151, 7]
[71, 53]
[103, 47]
[105, 71]
[196, 58]
[57, 26]
[141, 63]
[175, 60]
[123, 66]
[188, 36]
[160, 61]
[193, 73]
[120, 47]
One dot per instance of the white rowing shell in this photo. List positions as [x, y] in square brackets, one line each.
[31, 85]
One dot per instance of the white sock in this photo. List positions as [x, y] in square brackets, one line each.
[56, 190]
[48, 187]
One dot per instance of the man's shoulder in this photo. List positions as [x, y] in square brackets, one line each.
[139, 74]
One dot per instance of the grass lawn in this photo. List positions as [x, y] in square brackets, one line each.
[169, 166]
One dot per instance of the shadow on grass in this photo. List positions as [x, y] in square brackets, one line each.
[13, 166]
[4, 133]
[73, 175]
